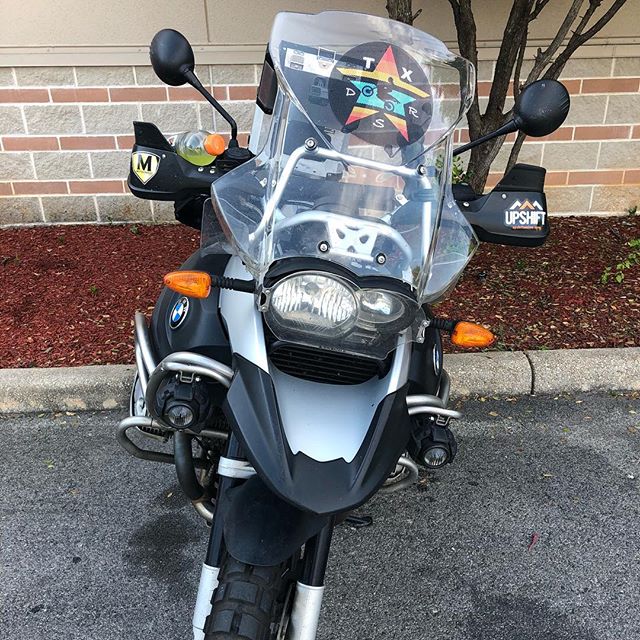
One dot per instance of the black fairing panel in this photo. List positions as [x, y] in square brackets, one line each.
[175, 178]
[425, 367]
[319, 487]
[202, 330]
[514, 213]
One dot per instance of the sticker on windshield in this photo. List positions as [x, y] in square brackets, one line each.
[525, 215]
[381, 94]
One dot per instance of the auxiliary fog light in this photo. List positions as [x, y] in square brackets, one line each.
[180, 416]
[435, 457]
[433, 445]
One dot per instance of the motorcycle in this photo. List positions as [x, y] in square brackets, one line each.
[293, 362]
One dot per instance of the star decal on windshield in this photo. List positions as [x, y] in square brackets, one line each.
[383, 90]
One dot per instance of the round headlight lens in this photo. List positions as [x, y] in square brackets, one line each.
[314, 303]
[380, 306]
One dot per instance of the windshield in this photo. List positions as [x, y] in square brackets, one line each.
[354, 164]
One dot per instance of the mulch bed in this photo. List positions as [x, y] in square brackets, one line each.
[69, 293]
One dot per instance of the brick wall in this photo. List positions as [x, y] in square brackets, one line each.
[65, 136]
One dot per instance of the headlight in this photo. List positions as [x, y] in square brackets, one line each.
[313, 303]
[380, 307]
[322, 310]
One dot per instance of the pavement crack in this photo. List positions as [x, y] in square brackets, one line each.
[533, 373]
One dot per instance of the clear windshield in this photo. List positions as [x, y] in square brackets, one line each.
[355, 161]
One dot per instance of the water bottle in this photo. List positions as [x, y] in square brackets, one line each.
[199, 147]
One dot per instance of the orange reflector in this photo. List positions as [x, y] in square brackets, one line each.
[195, 284]
[469, 335]
[214, 144]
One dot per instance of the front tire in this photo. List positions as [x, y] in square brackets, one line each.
[248, 602]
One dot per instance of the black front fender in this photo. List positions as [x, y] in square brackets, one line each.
[261, 528]
[319, 487]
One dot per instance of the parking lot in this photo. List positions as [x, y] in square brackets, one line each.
[533, 533]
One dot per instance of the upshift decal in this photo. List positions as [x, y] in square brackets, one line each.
[525, 215]
[381, 94]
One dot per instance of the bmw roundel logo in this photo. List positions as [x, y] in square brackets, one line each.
[179, 312]
[437, 360]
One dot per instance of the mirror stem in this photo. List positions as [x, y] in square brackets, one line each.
[192, 79]
[509, 127]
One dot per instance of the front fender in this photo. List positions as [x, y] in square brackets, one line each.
[261, 528]
[322, 488]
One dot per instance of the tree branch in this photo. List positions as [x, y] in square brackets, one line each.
[538, 7]
[578, 38]
[507, 57]
[522, 47]
[543, 57]
[466, 30]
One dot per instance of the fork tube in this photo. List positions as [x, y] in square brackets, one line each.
[317, 555]
[216, 542]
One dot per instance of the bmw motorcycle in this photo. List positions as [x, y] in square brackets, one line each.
[293, 365]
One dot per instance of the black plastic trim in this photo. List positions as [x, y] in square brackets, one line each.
[320, 487]
[287, 266]
[268, 87]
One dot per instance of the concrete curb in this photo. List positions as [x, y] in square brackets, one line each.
[493, 373]
[65, 389]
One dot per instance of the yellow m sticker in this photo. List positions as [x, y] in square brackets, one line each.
[144, 165]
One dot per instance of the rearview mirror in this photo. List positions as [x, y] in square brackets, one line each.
[541, 108]
[172, 57]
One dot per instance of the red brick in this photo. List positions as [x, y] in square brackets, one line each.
[573, 86]
[96, 186]
[184, 94]
[632, 176]
[611, 85]
[5, 189]
[80, 95]
[24, 95]
[493, 180]
[138, 94]
[564, 133]
[39, 187]
[595, 177]
[30, 143]
[220, 92]
[636, 131]
[484, 88]
[242, 92]
[601, 132]
[91, 143]
[555, 178]
[189, 93]
[125, 142]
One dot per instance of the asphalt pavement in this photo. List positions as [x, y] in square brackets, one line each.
[533, 533]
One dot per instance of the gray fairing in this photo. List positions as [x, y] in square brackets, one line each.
[324, 448]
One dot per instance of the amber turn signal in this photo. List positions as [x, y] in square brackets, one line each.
[195, 284]
[469, 335]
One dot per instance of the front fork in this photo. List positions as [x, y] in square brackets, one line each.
[215, 550]
[307, 599]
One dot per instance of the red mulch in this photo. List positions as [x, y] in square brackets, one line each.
[69, 293]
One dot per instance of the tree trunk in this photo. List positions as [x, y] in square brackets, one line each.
[480, 163]
[401, 10]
